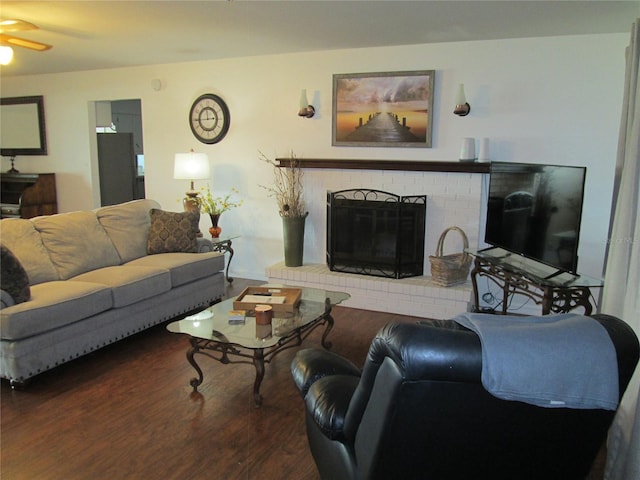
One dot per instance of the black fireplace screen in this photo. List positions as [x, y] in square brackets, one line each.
[372, 232]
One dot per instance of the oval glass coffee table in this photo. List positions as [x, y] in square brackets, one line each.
[213, 334]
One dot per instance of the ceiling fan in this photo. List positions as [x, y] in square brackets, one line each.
[8, 41]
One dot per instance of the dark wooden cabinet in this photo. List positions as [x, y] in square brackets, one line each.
[27, 195]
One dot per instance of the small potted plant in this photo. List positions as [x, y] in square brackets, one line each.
[287, 189]
[216, 206]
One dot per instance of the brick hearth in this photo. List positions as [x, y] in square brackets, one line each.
[416, 296]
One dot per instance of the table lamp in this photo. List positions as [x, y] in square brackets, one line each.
[191, 166]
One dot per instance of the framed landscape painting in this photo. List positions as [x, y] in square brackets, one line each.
[391, 109]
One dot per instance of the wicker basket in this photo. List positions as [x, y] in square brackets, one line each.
[449, 270]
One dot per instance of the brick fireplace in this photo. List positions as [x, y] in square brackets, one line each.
[455, 196]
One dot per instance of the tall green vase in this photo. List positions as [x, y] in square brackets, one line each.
[293, 228]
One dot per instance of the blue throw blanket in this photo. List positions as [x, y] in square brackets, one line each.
[564, 360]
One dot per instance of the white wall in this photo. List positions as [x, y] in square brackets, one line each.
[545, 100]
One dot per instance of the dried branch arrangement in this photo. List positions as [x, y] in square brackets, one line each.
[287, 187]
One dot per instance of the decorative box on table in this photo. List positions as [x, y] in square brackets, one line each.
[281, 299]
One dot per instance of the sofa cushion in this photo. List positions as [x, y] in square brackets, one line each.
[21, 237]
[127, 225]
[173, 231]
[13, 278]
[76, 242]
[129, 284]
[53, 305]
[184, 267]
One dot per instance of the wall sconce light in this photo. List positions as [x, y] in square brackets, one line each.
[306, 110]
[191, 166]
[462, 107]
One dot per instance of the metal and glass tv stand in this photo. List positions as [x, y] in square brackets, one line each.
[556, 292]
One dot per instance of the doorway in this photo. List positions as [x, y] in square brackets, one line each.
[120, 151]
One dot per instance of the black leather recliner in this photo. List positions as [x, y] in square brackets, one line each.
[418, 410]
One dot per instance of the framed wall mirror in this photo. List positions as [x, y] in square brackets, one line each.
[22, 129]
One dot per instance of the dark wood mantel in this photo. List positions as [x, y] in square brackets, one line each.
[400, 165]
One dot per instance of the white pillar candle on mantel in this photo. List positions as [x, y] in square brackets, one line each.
[483, 151]
[468, 150]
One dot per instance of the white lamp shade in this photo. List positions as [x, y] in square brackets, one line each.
[303, 99]
[191, 166]
[461, 99]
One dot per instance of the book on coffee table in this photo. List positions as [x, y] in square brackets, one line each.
[237, 317]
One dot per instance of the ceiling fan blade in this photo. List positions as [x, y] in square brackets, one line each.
[21, 42]
[15, 25]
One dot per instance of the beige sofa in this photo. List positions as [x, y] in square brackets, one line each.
[92, 281]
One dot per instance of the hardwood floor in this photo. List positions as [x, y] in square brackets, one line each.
[128, 412]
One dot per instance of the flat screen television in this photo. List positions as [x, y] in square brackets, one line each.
[535, 210]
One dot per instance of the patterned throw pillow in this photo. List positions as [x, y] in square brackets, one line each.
[13, 277]
[173, 232]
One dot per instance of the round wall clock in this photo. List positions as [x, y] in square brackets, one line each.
[209, 118]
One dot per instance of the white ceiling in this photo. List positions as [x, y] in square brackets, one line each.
[89, 35]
